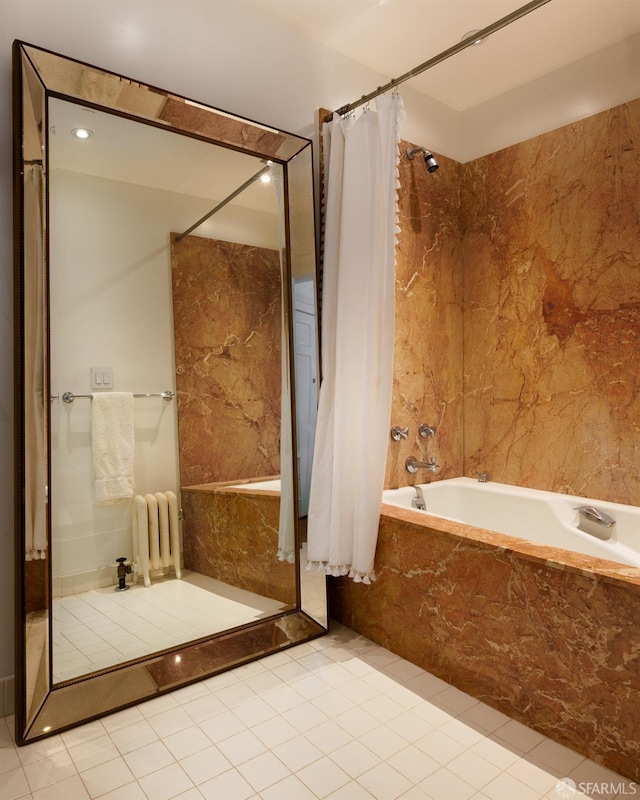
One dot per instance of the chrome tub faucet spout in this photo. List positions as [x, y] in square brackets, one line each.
[594, 514]
[413, 465]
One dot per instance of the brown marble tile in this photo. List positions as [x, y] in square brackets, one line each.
[232, 536]
[427, 381]
[226, 305]
[551, 316]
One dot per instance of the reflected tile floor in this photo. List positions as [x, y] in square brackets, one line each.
[101, 627]
[338, 718]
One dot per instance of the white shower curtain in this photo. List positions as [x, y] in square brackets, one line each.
[361, 157]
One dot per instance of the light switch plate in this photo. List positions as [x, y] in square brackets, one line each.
[101, 377]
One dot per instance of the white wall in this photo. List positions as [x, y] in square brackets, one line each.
[111, 306]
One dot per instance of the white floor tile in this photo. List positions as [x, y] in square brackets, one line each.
[133, 737]
[413, 764]
[72, 788]
[8, 759]
[516, 734]
[291, 788]
[328, 736]
[440, 747]
[506, 787]
[445, 784]
[355, 759]
[323, 777]
[297, 753]
[106, 777]
[384, 782]
[535, 775]
[167, 783]
[49, 770]
[130, 791]
[229, 785]
[13, 784]
[221, 727]
[241, 747]
[263, 771]
[205, 764]
[337, 719]
[94, 752]
[187, 742]
[148, 759]
[555, 756]
[473, 769]
[273, 732]
[356, 721]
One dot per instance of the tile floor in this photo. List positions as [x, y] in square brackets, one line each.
[99, 628]
[338, 718]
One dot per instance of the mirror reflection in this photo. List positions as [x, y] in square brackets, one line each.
[183, 485]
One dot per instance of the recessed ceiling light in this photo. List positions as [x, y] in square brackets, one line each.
[82, 133]
[470, 35]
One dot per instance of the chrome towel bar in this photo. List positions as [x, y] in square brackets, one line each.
[69, 397]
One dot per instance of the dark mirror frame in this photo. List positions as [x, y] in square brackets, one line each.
[44, 708]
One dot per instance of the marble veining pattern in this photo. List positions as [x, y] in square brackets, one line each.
[518, 313]
[232, 536]
[227, 309]
[552, 311]
[427, 381]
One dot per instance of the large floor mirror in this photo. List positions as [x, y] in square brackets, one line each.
[166, 391]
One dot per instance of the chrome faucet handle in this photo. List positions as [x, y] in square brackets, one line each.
[427, 430]
[398, 433]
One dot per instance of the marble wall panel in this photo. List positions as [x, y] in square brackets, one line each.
[427, 375]
[233, 537]
[550, 642]
[551, 271]
[227, 323]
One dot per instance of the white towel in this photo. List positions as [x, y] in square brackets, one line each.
[112, 445]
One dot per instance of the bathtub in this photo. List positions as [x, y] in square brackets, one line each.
[537, 516]
[268, 485]
[495, 590]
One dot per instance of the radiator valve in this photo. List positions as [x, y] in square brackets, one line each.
[123, 571]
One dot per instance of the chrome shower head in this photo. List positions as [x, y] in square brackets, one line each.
[430, 162]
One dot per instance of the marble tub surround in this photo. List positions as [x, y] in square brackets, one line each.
[545, 636]
[518, 312]
[552, 310]
[237, 539]
[227, 322]
[427, 374]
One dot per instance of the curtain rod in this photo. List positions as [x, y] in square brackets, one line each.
[228, 199]
[443, 56]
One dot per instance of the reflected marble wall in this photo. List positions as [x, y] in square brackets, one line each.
[551, 263]
[227, 307]
[247, 558]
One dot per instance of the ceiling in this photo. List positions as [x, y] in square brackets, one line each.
[394, 36]
[123, 150]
